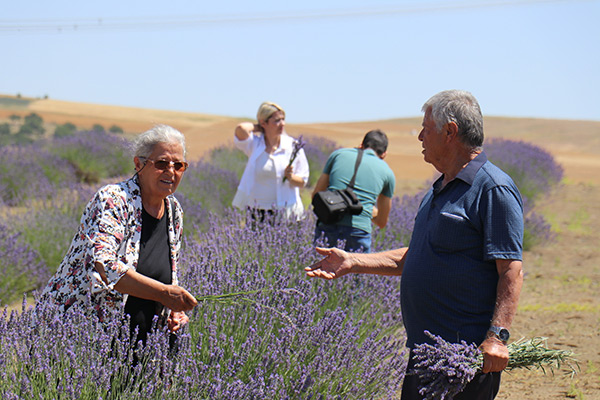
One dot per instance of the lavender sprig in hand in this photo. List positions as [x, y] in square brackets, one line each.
[298, 144]
[446, 368]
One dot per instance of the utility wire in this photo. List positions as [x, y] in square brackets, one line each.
[176, 22]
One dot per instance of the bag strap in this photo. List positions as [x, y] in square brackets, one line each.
[358, 160]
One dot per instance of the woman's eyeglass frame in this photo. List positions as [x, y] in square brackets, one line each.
[163, 165]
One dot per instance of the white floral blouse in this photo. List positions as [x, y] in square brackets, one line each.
[109, 233]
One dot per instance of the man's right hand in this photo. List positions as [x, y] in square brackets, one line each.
[335, 264]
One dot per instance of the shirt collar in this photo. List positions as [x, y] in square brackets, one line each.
[370, 151]
[467, 174]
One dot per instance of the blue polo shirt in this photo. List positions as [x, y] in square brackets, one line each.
[448, 284]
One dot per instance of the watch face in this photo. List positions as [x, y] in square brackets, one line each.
[504, 335]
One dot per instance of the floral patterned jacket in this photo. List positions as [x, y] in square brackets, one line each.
[109, 233]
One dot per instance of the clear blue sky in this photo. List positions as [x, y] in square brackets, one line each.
[322, 60]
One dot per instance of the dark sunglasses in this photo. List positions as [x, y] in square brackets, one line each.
[163, 165]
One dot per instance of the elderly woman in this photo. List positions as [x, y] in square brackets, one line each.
[124, 256]
[263, 188]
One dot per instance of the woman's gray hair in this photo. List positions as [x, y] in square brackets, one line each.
[462, 108]
[143, 145]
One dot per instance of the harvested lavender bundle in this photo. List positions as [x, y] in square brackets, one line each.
[445, 368]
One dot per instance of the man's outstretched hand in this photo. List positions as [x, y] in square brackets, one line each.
[335, 264]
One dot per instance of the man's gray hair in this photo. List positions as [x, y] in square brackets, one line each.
[462, 108]
[143, 145]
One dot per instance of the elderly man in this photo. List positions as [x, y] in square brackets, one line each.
[462, 271]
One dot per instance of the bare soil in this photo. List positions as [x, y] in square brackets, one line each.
[562, 278]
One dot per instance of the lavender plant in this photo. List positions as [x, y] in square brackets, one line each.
[94, 155]
[228, 158]
[21, 269]
[327, 321]
[30, 172]
[206, 188]
[317, 150]
[400, 224]
[49, 224]
[444, 369]
[533, 169]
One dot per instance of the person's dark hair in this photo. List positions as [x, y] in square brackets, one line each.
[462, 108]
[376, 140]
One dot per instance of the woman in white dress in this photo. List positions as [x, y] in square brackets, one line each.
[269, 181]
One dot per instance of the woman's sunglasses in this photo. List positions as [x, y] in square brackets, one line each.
[163, 165]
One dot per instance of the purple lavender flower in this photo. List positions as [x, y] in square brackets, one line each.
[444, 369]
[298, 144]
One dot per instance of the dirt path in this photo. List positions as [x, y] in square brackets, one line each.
[560, 298]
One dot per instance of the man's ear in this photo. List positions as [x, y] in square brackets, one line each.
[451, 129]
[383, 155]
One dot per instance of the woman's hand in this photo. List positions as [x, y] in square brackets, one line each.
[289, 172]
[173, 297]
[294, 180]
[244, 129]
[178, 299]
[176, 321]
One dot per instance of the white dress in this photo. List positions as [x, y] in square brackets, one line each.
[262, 183]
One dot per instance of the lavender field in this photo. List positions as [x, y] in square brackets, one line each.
[289, 337]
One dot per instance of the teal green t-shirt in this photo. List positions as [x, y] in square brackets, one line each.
[374, 177]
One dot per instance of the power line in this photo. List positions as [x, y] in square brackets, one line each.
[175, 22]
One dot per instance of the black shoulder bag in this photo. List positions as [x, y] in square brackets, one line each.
[330, 206]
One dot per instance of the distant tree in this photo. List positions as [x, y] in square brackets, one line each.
[14, 117]
[25, 130]
[98, 128]
[66, 129]
[4, 129]
[33, 125]
[115, 129]
[23, 137]
[5, 136]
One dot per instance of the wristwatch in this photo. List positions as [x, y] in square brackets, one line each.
[501, 333]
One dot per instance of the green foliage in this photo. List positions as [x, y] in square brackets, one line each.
[66, 129]
[12, 102]
[115, 129]
[34, 124]
[98, 128]
[4, 129]
[229, 158]
[49, 233]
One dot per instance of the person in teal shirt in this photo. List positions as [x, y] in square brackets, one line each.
[374, 186]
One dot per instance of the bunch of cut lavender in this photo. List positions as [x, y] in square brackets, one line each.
[445, 368]
[298, 144]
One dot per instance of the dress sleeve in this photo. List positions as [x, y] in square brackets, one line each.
[245, 145]
[301, 167]
[107, 225]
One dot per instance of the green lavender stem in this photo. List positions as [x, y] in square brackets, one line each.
[534, 354]
[242, 297]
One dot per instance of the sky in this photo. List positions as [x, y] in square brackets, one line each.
[321, 60]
